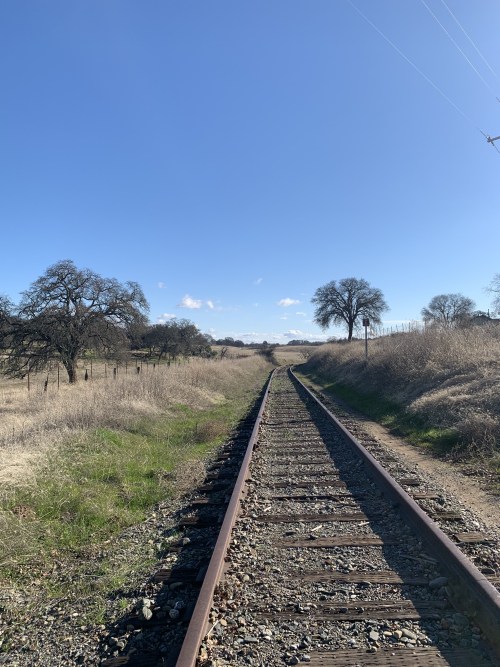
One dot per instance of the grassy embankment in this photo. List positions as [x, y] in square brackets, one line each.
[438, 389]
[79, 464]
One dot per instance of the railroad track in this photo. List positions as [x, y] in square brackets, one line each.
[322, 558]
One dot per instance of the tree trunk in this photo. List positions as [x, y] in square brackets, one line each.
[70, 366]
[349, 335]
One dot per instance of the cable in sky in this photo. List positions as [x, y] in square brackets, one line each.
[415, 67]
[470, 39]
[457, 45]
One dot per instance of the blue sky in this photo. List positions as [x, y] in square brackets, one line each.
[233, 156]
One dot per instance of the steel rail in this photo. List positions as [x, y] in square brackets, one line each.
[198, 624]
[479, 597]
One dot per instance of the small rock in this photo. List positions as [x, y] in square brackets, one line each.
[409, 634]
[438, 582]
[175, 585]
[374, 636]
[460, 619]
[145, 613]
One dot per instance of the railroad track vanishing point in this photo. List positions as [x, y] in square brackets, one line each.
[323, 558]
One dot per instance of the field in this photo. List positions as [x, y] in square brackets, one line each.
[293, 354]
[80, 462]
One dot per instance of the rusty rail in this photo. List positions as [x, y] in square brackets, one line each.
[479, 597]
[476, 593]
[198, 624]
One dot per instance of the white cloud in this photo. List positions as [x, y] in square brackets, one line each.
[297, 333]
[189, 302]
[275, 337]
[299, 313]
[165, 318]
[258, 281]
[287, 302]
[162, 285]
[284, 317]
[196, 304]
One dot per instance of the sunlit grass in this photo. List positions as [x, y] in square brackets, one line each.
[390, 414]
[92, 482]
[438, 388]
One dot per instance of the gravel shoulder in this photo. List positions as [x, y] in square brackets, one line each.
[74, 611]
[468, 483]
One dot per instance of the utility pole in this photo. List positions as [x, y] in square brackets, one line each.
[366, 324]
[491, 140]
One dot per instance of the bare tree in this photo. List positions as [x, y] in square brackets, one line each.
[494, 288]
[448, 310]
[179, 337]
[6, 309]
[69, 310]
[346, 301]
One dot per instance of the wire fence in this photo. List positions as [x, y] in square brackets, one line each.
[402, 327]
[89, 370]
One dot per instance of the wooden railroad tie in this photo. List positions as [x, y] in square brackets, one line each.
[399, 657]
[312, 518]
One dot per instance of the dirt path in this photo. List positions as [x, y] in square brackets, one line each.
[469, 490]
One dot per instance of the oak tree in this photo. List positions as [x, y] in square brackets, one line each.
[176, 338]
[347, 301]
[448, 310]
[67, 311]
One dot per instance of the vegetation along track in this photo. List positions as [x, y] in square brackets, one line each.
[324, 559]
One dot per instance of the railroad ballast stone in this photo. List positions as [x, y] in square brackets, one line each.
[280, 595]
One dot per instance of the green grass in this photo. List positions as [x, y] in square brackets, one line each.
[389, 414]
[109, 479]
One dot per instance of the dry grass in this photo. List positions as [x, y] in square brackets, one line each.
[234, 352]
[293, 354]
[449, 378]
[34, 424]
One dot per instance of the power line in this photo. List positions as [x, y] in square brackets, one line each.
[470, 39]
[415, 67]
[457, 46]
